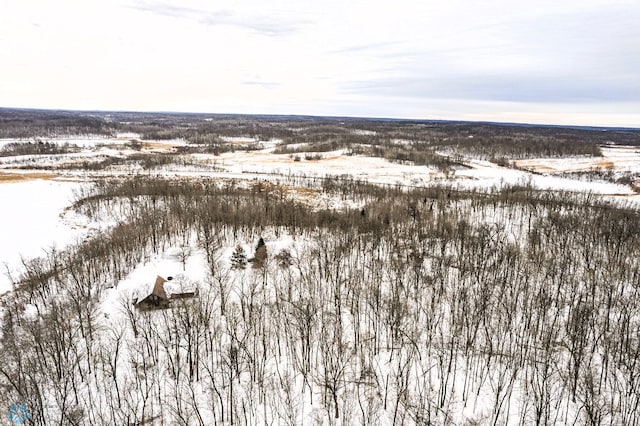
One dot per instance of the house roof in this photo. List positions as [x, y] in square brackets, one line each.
[164, 288]
[158, 288]
[147, 289]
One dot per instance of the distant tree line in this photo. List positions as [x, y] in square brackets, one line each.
[27, 124]
[497, 142]
[36, 148]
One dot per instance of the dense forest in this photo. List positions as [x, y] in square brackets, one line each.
[400, 306]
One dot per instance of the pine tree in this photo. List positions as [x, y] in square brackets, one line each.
[238, 258]
[260, 256]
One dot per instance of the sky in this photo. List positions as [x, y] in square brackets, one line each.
[548, 61]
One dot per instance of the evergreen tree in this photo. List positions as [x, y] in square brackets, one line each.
[238, 258]
[260, 256]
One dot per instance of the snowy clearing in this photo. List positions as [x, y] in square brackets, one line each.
[620, 158]
[33, 222]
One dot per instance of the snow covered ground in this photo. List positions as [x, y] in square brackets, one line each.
[35, 219]
[33, 222]
[540, 173]
[487, 174]
[333, 163]
[618, 158]
[480, 174]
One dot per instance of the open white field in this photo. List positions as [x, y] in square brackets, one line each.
[33, 222]
[541, 173]
[487, 174]
[479, 174]
[614, 158]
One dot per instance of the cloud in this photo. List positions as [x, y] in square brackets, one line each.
[272, 25]
[361, 57]
[369, 47]
[262, 84]
[580, 57]
[509, 88]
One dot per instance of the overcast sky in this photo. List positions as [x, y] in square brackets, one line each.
[543, 61]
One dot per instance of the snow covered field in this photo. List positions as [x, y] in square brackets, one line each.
[33, 222]
[539, 173]
[479, 174]
[614, 158]
[486, 174]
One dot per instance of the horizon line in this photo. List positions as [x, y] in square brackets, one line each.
[332, 117]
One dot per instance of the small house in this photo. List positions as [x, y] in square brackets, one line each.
[159, 297]
[156, 299]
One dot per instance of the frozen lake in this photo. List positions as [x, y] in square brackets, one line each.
[31, 222]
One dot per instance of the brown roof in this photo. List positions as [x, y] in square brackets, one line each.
[158, 288]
